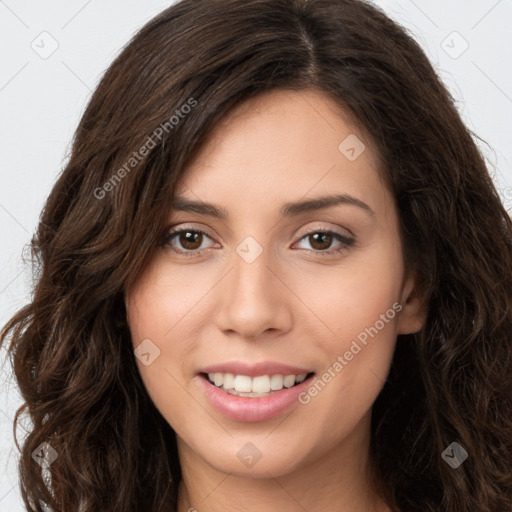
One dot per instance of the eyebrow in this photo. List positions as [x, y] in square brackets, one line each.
[288, 209]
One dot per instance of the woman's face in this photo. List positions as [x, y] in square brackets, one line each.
[273, 289]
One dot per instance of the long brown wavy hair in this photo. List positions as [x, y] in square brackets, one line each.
[70, 346]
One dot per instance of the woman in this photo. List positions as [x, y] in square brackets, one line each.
[274, 275]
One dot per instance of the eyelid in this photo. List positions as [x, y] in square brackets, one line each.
[181, 227]
[322, 227]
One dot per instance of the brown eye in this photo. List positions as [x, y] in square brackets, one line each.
[190, 240]
[321, 242]
[185, 241]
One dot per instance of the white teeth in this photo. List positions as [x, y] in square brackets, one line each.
[256, 386]
[289, 381]
[276, 382]
[229, 381]
[218, 379]
[261, 384]
[243, 383]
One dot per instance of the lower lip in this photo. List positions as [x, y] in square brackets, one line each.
[240, 408]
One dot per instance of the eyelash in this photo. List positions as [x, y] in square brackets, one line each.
[346, 241]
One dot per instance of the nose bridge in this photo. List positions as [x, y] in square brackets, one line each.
[251, 300]
[250, 276]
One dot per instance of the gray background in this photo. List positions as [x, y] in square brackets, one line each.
[43, 95]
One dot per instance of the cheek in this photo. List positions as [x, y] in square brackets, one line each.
[158, 310]
[344, 299]
[161, 297]
[363, 315]
[167, 306]
[356, 330]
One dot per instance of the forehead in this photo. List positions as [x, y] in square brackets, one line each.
[282, 145]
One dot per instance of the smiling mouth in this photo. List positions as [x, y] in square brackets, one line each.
[254, 387]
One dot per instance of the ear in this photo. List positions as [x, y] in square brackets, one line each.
[413, 316]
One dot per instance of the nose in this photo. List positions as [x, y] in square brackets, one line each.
[252, 300]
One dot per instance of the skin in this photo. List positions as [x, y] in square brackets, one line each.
[294, 304]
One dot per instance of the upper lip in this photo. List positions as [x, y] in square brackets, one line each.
[254, 369]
